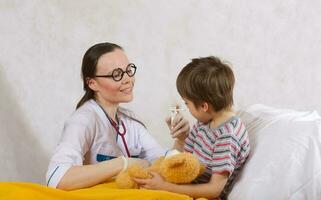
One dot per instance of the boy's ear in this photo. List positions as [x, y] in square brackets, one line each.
[92, 84]
[204, 106]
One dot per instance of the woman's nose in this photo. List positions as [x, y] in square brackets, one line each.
[126, 78]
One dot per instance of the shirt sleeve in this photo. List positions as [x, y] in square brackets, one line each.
[70, 151]
[226, 150]
[151, 149]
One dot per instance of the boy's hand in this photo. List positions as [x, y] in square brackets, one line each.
[179, 127]
[155, 183]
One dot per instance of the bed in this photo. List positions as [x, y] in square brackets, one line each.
[284, 163]
[31, 191]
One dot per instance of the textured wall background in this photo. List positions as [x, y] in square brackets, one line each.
[274, 48]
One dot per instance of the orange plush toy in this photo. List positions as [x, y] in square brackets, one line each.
[180, 168]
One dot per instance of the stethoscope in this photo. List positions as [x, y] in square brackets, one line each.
[117, 129]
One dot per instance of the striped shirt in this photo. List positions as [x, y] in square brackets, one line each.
[221, 149]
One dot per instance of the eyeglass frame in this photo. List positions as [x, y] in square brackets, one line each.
[132, 65]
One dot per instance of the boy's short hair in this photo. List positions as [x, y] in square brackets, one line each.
[208, 80]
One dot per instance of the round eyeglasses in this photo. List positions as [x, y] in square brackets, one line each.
[118, 73]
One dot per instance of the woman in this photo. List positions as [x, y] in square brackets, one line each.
[101, 138]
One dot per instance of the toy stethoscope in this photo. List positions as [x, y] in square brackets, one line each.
[116, 127]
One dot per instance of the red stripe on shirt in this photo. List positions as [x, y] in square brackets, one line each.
[201, 155]
[241, 127]
[204, 141]
[221, 158]
[223, 144]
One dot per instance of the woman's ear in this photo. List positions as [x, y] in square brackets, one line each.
[92, 84]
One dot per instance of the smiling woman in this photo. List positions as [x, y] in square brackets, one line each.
[90, 151]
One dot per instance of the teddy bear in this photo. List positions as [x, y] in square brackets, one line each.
[179, 168]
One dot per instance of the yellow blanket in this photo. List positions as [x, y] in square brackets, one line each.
[17, 190]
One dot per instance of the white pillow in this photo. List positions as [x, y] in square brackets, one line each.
[285, 158]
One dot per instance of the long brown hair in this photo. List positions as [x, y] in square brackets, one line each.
[89, 67]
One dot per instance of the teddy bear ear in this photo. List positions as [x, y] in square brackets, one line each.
[178, 161]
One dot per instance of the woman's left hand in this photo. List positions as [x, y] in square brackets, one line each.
[155, 183]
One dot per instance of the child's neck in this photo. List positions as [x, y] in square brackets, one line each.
[219, 118]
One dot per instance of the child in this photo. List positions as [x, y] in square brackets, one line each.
[219, 139]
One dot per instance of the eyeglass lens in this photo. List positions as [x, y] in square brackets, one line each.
[119, 73]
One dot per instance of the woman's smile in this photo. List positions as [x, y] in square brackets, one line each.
[127, 90]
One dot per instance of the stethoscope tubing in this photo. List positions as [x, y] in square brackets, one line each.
[116, 127]
[122, 135]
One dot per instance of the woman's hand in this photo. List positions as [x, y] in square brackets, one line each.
[179, 127]
[155, 183]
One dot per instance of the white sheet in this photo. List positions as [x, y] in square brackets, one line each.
[285, 162]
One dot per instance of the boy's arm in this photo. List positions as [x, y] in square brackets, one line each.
[178, 145]
[209, 190]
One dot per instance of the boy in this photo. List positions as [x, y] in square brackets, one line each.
[219, 139]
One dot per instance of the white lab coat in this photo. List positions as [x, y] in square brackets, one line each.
[88, 137]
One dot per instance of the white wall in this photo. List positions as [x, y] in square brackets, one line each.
[274, 47]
